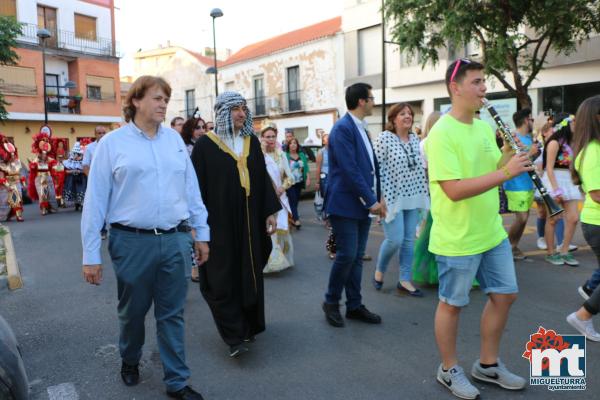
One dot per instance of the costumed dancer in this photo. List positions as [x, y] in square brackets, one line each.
[76, 180]
[282, 254]
[58, 171]
[10, 178]
[41, 185]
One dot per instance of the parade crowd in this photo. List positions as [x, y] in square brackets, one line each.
[216, 203]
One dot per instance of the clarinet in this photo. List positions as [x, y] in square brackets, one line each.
[551, 205]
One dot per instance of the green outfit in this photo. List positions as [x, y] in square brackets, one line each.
[588, 172]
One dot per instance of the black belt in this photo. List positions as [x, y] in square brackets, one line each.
[182, 227]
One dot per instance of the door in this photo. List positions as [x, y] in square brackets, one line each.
[293, 89]
[47, 19]
[259, 96]
[52, 99]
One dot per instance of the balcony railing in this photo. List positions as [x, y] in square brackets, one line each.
[291, 101]
[258, 105]
[63, 104]
[65, 40]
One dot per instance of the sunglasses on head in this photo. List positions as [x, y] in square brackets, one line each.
[460, 60]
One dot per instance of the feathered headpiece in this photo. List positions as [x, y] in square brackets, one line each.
[7, 148]
[41, 144]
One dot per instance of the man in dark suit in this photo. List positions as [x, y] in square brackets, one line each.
[352, 193]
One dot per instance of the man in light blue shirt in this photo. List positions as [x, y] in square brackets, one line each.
[143, 184]
[99, 132]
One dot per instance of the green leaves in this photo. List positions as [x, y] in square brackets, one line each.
[9, 30]
[514, 36]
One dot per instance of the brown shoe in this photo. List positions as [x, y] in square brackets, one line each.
[367, 257]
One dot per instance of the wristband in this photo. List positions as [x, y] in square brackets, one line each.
[506, 172]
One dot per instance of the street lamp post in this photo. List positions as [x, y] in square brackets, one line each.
[215, 13]
[44, 34]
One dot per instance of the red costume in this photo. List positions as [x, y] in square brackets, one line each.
[10, 177]
[58, 171]
[41, 184]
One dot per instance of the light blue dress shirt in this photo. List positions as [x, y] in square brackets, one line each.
[88, 153]
[143, 183]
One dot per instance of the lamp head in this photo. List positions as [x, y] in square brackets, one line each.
[216, 13]
[43, 33]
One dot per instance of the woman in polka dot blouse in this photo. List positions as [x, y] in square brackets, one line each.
[404, 187]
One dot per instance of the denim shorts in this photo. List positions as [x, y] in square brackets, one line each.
[494, 270]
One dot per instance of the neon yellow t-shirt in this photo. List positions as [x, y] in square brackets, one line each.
[460, 151]
[589, 173]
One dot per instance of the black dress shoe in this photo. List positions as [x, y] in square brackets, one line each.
[130, 374]
[332, 314]
[402, 290]
[237, 350]
[187, 393]
[364, 315]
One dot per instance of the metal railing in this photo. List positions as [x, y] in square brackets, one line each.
[258, 105]
[66, 40]
[291, 101]
[63, 104]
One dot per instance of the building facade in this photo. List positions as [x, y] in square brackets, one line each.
[564, 82]
[294, 79]
[81, 70]
[185, 71]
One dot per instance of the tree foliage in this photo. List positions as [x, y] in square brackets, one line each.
[515, 36]
[9, 30]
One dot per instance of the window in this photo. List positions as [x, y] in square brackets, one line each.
[369, 51]
[190, 102]
[8, 8]
[293, 86]
[230, 86]
[85, 27]
[94, 92]
[259, 96]
[106, 85]
[17, 80]
[46, 18]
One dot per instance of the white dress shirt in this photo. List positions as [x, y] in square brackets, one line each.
[362, 125]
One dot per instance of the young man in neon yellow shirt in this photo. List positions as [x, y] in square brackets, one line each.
[467, 236]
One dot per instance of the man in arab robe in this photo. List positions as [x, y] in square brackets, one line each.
[241, 203]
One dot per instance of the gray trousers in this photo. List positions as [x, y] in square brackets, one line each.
[152, 269]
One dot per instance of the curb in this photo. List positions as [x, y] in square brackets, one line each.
[12, 268]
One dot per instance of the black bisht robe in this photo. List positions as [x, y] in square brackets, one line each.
[232, 279]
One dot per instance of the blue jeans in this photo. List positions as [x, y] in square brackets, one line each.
[293, 194]
[399, 235]
[494, 269]
[346, 272]
[152, 269]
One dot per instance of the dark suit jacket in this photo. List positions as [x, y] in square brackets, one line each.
[351, 175]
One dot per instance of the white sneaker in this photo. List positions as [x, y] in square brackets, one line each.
[499, 375]
[541, 243]
[572, 247]
[456, 381]
[586, 328]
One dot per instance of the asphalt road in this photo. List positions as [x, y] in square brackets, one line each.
[68, 329]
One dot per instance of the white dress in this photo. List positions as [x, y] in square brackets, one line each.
[282, 255]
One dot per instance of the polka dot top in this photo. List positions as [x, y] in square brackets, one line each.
[403, 179]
